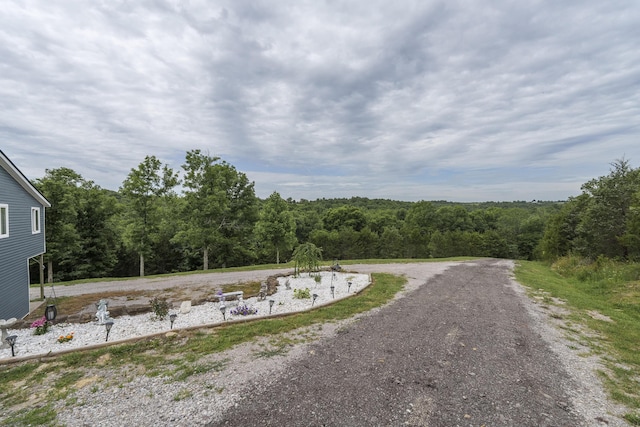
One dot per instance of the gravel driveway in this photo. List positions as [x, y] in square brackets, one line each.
[461, 345]
[461, 350]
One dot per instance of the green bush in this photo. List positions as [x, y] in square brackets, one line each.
[302, 293]
[160, 307]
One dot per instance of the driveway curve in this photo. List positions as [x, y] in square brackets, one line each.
[461, 350]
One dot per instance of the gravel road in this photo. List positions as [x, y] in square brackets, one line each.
[462, 350]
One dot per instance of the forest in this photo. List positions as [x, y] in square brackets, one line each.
[215, 220]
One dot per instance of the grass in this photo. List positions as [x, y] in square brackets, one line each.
[284, 266]
[41, 416]
[593, 293]
[176, 358]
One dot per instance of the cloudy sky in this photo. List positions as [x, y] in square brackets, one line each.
[404, 100]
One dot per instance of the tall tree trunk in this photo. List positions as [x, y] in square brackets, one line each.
[205, 259]
[277, 255]
[141, 264]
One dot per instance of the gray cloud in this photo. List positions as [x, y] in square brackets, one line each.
[408, 100]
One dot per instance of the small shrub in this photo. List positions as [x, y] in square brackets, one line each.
[160, 307]
[302, 293]
[317, 278]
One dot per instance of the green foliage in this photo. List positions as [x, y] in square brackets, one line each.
[160, 307]
[603, 220]
[344, 217]
[146, 189]
[307, 256]
[302, 293]
[219, 211]
[276, 226]
[146, 228]
[81, 236]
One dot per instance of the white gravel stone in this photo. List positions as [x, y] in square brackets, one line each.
[126, 327]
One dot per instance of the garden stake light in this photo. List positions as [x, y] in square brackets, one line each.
[108, 326]
[314, 299]
[12, 341]
[223, 309]
[172, 318]
[333, 290]
[271, 302]
[349, 286]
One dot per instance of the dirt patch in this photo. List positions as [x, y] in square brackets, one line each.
[599, 316]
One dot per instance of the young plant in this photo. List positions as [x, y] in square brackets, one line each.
[160, 307]
[302, 293]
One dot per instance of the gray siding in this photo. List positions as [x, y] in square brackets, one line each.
[16, 249]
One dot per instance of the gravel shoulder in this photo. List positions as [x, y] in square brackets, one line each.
[461, 345]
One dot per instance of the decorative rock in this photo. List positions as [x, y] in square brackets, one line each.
[185, 307]
[170, 334]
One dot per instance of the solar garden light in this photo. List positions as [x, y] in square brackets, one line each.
[12, 341]
[271, 302]
[172, 318]
[223, 309]
[349, 286]
[333, 291]
[315, 296]
[50, 312]
[108, 326]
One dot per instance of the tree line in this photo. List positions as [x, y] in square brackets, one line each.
[147, 227]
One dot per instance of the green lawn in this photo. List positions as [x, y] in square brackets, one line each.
[610, 290]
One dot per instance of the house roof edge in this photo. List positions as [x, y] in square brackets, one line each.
[13, 170]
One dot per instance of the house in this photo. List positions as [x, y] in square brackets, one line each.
[21, 237]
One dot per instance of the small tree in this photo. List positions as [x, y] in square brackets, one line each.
[276, 227]
[307, 256]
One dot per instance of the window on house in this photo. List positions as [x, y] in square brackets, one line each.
[4, 221]
[35, 220]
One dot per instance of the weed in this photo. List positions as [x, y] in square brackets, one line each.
[184, 371]
[280, 350]
[182, 394]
